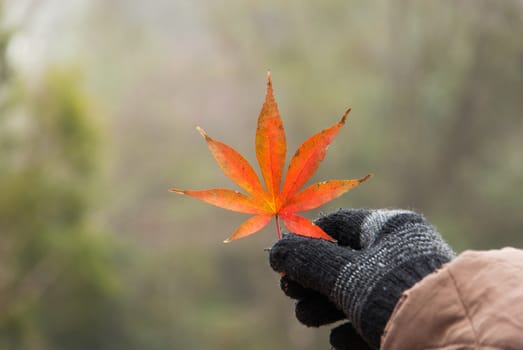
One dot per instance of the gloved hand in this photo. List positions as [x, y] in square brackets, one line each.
[378, 255]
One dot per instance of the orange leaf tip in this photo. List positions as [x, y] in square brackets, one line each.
[203, 133]
[365, 178]
[175, 190]
[345, 116]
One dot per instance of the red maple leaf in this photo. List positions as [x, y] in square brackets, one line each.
[273, 200]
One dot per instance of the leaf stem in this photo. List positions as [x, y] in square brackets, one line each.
[278, 226]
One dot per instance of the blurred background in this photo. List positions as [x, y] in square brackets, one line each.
[98, 104]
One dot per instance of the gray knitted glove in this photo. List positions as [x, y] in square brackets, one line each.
[378, 255]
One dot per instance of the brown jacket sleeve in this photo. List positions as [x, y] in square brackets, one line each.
[473, 302]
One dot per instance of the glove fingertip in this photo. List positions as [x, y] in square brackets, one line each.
[313, 263]
[285, 251]
[295, 290]
[278, 255]
[345, 337]
[317, 311]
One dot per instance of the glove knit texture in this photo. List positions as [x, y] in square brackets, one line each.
[378, 255]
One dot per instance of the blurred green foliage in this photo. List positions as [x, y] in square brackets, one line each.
[57, 278]
[96, 254]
